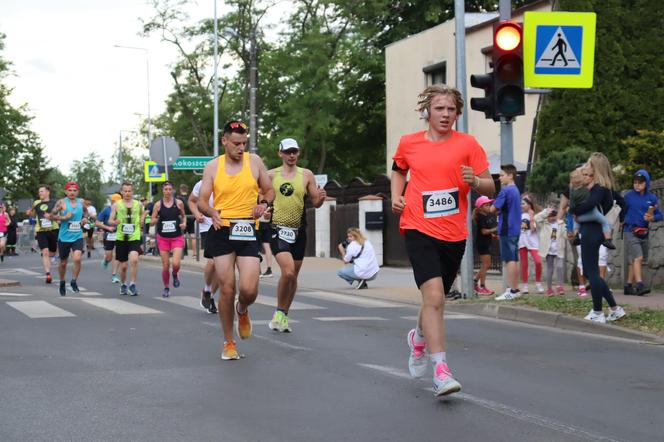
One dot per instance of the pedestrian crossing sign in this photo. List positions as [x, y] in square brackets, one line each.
[559, 49]
[152, 173]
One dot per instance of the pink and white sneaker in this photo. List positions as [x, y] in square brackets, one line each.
[417, 360]
[485, 291]
[549, 292]
[582, 291]
[443, 382]
[560, 290]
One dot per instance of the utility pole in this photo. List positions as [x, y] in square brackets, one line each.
[253, 85]
[506, 135]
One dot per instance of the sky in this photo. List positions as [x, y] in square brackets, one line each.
[81, 90]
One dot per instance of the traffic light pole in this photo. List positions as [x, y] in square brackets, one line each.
[467, 283]
[506, 137]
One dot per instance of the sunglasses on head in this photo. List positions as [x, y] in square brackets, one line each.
[237, 125]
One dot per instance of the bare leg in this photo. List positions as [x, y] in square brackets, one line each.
[431, 314]
[76, 268]
[133, 260]
[250, 270]
[46, 260]
[225, 269]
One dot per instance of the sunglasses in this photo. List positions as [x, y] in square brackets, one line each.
[238, 125]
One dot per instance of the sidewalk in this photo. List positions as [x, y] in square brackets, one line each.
[398, 284]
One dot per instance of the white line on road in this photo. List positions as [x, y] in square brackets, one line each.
[121, 307]
[503, 409]
[349, 318]
[40, 309]
[18, 271]
[350, 300]
[281, 343]
[272, 302]
[15, 294]
[185, 301]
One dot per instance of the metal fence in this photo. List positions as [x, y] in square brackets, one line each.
[25, 238]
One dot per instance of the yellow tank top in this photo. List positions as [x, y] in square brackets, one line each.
[289, 201]
[235, 195]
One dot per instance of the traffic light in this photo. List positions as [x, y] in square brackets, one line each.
[507, 57]
[486, 104]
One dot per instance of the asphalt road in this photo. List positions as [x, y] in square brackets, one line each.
[109, 367]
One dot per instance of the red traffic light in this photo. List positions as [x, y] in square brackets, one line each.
[507, 36]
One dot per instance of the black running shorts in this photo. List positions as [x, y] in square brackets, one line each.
[48, 240]
[203, 243]
[296, 249]
[434, 258]
[123, 248]
[64, 248]
[109, 245]
[218, 244]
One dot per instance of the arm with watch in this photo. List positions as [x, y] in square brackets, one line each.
[482, 183]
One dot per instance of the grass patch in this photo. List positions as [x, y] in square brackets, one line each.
[642, 319]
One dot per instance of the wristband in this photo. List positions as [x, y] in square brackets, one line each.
[476, 182]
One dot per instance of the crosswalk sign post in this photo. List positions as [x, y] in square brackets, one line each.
[152, 172]
[559, 49]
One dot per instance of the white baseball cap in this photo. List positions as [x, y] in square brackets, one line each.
[288, 144]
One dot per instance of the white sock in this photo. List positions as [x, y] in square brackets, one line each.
[418, 337]
[207, 288]
[438, 357]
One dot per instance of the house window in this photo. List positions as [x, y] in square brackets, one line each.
[435, 73]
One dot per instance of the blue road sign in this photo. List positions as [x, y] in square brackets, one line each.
[558, 49]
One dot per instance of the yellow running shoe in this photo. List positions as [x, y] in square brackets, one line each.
[230, 351]
[243, 325]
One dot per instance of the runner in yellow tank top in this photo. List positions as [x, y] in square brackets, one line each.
[289, 235]
[235, 179]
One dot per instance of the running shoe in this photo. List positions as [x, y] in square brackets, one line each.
[205, 299]
[229, 352]
[63, 288]
[417, 360]
[104, 264]
[166, 293]
[213, 308]
[443, 382]
[132, 290]
[284, 324]
[596, 317]
[243, 324]
[560, 290]
[539, 288]
[88, 253]
[276, 321]
[115, 279]
[485, 291]
[550, 292]
[176, 281]
[74, 286]
[362, 285]
[508, 295]
[524, 289]
[616, 314]
[123, 289]
[267, 273]
[49, 278]
[582, 291]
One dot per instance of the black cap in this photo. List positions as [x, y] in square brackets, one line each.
[639, 177]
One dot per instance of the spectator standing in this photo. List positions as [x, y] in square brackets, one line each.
[551, 248]
[487, 226]
[529, 243]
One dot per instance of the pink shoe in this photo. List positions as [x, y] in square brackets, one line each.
[581, 291]
[485, 291]
[549, 292]
[560, 290]
[443, 382]
[417, 359]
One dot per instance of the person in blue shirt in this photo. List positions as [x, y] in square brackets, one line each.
[641, 208]
[508, 203]
[72, 216]
[105, 226]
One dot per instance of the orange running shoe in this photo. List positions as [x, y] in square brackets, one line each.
[230, 351]
[243, 325]
[49, 278]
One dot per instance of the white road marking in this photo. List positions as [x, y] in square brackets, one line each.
[253, 322]
[40, 309]
[121, 307]
[281, 343]
[272, 302]
[350, 300]
[349, 318]
[447, 316]
[18, 295]
[503, 409]
[19, 271]
[185, 301]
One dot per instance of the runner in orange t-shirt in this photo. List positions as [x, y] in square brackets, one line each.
[444, 165]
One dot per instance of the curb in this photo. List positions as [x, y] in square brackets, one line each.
[506, 312]
[554, 320]
[9, 283]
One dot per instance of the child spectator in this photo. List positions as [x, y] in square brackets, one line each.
[486, 230]
[529, 243]
[551, 248]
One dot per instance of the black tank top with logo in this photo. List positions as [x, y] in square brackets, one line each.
[168, 225]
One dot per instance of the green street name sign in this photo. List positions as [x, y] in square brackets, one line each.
[191, 163]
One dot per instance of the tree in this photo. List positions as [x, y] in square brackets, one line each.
[87, 174]
[551, 173]
[645, 150]
[23, 164]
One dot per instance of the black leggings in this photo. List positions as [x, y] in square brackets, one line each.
[591, 239]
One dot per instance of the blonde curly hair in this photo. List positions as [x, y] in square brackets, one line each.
[424, 99]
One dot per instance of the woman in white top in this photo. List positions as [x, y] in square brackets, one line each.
[360, 253]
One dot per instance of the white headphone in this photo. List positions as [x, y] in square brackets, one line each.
[424, 114]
